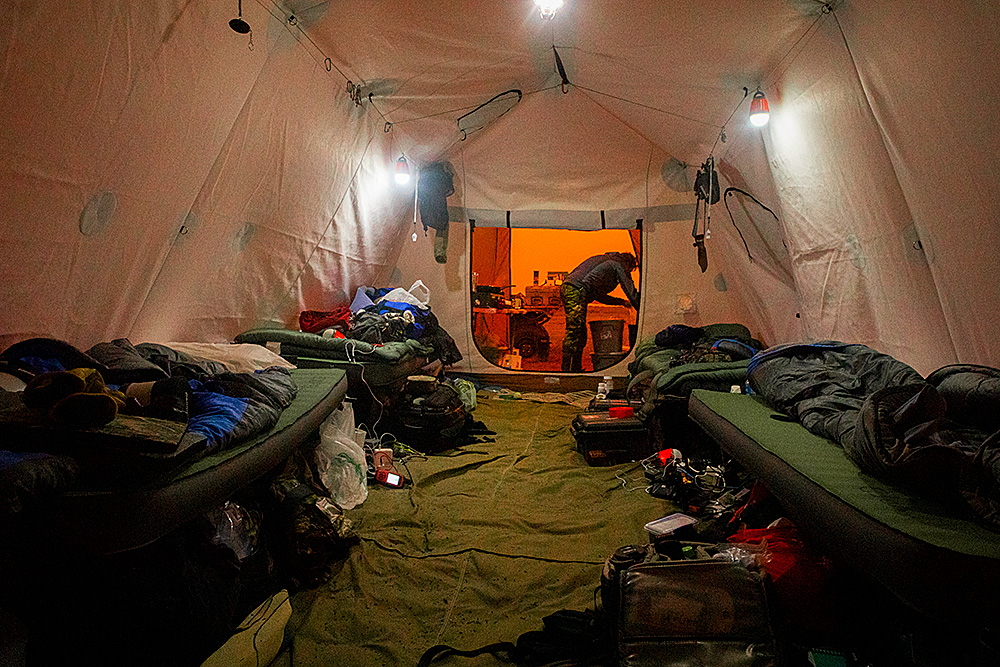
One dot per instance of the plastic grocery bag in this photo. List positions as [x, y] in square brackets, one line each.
[467, 392]
[420, 292]
[235, 528]
[418, 295]
[340, 461]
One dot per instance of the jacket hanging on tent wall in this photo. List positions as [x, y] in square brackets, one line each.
[437, 183]
[706, 182]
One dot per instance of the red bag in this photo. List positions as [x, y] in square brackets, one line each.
[317, 321]
[803, 577]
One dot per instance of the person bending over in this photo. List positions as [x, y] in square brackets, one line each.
[593, 280]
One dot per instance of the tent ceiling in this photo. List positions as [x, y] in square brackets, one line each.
[684, 63]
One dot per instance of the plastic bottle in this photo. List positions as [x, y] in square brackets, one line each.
[609, 385]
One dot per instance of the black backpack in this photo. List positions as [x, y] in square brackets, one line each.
[430, 419]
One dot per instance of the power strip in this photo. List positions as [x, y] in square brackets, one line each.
[382, 458]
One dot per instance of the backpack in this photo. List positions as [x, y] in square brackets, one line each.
[430, 419]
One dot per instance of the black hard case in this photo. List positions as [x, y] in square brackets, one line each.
[604, 440]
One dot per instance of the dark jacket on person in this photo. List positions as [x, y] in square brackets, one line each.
[600, 275]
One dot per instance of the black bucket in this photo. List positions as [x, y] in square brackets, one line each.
[602, 361]
[607, 336]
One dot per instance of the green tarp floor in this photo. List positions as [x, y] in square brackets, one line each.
[491, 538]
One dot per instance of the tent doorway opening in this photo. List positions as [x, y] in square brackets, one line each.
[518, 319]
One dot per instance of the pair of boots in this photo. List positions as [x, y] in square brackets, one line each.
[78, 397]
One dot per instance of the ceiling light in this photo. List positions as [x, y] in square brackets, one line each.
[402, 171]
[759, 112]
[547, 8]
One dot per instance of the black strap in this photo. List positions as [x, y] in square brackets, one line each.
[441, 650]
[744, 192]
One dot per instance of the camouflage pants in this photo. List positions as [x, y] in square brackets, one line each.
[575, 305]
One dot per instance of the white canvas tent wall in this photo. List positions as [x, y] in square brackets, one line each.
[245, 185]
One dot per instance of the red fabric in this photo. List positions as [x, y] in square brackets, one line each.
[758, 494]
[316, 321]
[620, 412]
[802, 576]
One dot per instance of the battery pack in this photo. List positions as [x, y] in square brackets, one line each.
[604, 440]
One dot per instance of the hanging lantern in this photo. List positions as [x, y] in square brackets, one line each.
[759, 112]
[402, 171]
[238, 24]
[547, 8]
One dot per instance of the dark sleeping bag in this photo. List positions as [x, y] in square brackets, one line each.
[824, 384]
[231, 407]
[972, 395]
[938, 437]
[148, 362]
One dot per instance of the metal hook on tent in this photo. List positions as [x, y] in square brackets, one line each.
[464, 134]
[388, 127]
[328, 64]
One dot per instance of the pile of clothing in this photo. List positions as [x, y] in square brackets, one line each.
[173, 404]
[681, 358]
[381, 315]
